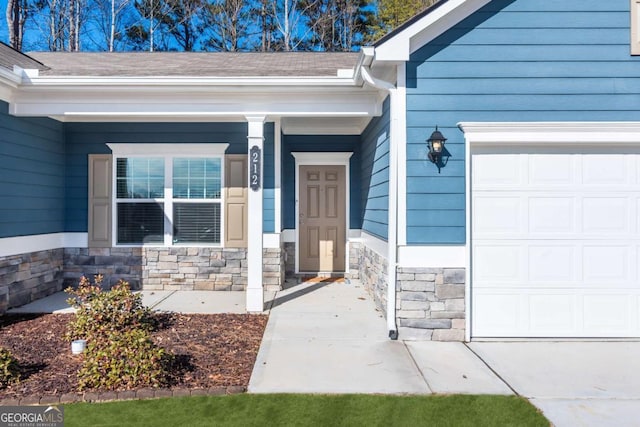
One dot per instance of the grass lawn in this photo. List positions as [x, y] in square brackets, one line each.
[309, 410]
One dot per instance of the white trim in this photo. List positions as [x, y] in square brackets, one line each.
[374, 243]
[201, 81]
[323, 159]
[468, 260]
[164, 149]
[270, 240]
[635, 27]
[288, 235]
[401, 137]
[338, 158]
[441, 256]
[354, 233]
[569, 133]
[277, 159]
[255, 289]
[510, 134]
[181, 103]
[167, 152]
[400, 46]
[11, 246]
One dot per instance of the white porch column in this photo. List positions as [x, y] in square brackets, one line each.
[255, 294]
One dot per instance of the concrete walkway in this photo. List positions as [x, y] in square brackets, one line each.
[195, 302]
[573, 383]
[328, 337]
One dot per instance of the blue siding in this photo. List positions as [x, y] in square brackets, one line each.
[318, 143]
[513, 61]
[375, 175]
[269, 173]
[91, 138]
[32, 168]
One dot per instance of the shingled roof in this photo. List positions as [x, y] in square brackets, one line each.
[195, 64]
[10, 57]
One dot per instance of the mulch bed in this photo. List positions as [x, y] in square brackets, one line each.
[213, 351]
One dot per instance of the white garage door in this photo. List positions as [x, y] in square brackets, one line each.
[555, 243]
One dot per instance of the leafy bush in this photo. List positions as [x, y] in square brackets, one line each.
[117, 326]
[101, 312]
[124, 360]
[9, 372]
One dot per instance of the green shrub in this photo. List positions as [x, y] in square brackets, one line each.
[9, 372]
[101, 312]
[124, 360]
[117, 326]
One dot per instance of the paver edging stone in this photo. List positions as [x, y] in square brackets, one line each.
[110, 396]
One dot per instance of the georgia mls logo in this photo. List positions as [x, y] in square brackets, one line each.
[31, 416]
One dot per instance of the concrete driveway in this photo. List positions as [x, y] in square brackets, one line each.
[573, 383]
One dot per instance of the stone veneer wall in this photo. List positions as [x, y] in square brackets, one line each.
[177, 268]
[28, 277]
[430, 304]
[289, 259]
[373, 273]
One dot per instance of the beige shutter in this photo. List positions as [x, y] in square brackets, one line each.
[99, 227]
[235, 203]
[635, 27]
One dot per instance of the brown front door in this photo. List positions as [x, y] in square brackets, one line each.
[322, 221]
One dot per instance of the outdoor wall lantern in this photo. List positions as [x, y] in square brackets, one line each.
[436, 145]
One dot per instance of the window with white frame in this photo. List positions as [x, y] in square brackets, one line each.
[168, 199]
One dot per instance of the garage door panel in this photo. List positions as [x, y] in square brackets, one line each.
[606, 215]
[608, 170]
[487, 175]
[555, 243]
[498, 214]
[497, 264]
[551, 215]
[606, 313]
[552, 264]
[606, 264]
[551, 170]
[550, 314]
[496, 313]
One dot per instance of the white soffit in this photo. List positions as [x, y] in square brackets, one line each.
[324, 125]
[421, 32]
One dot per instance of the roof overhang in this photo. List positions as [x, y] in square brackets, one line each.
[401, 43]
[85, 98]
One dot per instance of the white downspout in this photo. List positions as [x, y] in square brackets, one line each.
[392, 238]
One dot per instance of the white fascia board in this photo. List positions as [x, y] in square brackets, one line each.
[8, 83]
[551, 133]
[160, 81]
[400, 46]
[355, 103]
[9, 78]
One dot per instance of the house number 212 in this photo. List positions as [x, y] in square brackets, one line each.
[255, 168]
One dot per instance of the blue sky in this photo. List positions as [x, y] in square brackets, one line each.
[3, 21]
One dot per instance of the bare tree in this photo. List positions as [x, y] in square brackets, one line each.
[289, 17]
[229, 23]
[17, 14]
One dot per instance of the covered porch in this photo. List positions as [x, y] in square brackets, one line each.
[273, 137]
